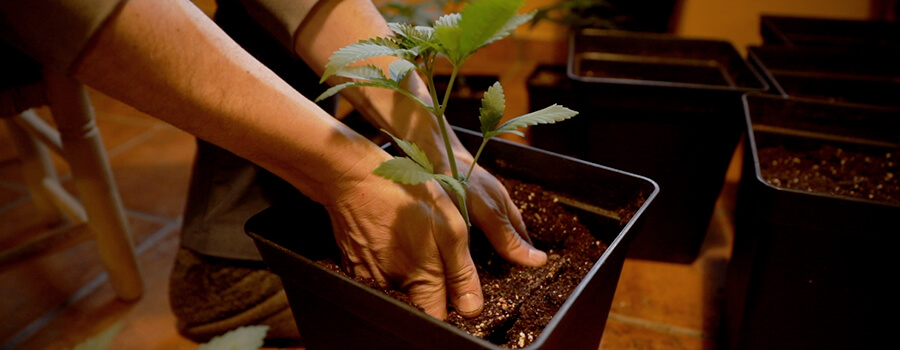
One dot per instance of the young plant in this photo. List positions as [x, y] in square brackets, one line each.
[454, 37]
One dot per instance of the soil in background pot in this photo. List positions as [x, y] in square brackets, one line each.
[834, 170]
[520, 301]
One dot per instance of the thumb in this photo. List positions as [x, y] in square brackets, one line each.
[507, 233]
[463, 286]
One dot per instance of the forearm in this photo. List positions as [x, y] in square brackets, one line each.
[169, 60]
[347, 22]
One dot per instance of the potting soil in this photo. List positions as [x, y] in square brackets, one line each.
[834, 170]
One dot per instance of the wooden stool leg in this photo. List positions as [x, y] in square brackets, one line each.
[36, 167]
[83, 150]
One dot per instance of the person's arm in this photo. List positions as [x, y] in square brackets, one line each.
[168, 59]
[333, 24]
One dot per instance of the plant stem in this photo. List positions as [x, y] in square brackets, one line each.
[439, 116]
[484, 142]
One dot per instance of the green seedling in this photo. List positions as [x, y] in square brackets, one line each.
[454, 37]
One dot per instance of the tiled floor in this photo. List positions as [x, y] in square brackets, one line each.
[57, 300]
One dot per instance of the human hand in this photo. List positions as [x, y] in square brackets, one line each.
[492, 210]
[411, 237]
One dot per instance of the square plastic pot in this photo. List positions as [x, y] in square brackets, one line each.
[858, 75]
[809, 269]
[812, 31]
[661, 106]
[334, 312]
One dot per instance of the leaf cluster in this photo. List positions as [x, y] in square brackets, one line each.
[416, 12]
[455, 37]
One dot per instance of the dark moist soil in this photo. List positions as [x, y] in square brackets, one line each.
[520, 301]
[834, 170]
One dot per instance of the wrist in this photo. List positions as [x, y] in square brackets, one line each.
[346, 182]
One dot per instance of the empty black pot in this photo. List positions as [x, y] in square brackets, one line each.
[859, 75]
[657, 105]
[813, 31]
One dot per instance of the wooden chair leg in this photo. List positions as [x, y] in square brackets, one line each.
[37, 166]
[83, 150]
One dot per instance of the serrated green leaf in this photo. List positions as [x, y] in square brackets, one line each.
[413, 152]
[411, 32]
[448, 20]
[549, 115]
[511, 25]
[243, 338]
[367, 72]
[448, 37]
[453, 185]
[361, 50]
[493, 104]
[400, 69]
[417, 40]
[337, 88]
[403, 170]
[481, 21]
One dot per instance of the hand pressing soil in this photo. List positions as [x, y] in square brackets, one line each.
[519, 300]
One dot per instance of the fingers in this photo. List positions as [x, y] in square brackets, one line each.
[463, 285]
[431, 295]
[515, 220]
[507, 235]
[495, 213]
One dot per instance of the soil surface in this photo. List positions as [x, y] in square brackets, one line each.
[520, 301]
[834, 170]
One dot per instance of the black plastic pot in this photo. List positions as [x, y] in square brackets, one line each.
[861, 75]
[811, 31]
[809, 269]
[657, 105]
[334, 312]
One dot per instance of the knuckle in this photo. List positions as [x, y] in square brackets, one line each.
[463, 277]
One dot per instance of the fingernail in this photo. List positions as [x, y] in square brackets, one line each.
[537, 257]
[469, 303]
